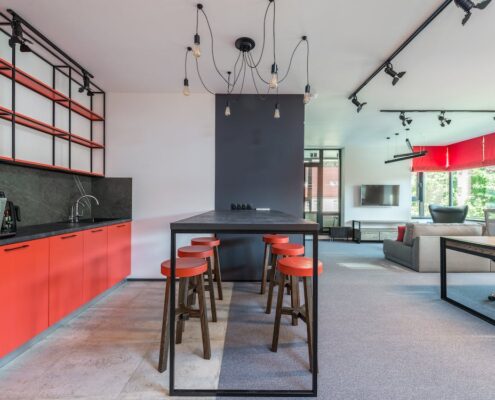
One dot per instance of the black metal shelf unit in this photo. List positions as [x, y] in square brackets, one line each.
[63, 64]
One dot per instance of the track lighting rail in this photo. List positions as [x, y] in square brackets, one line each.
[26, 24]
[416, 33]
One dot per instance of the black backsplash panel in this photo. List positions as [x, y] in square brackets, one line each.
[258, 160]
[47, 196]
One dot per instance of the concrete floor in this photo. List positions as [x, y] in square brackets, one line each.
[110, 351]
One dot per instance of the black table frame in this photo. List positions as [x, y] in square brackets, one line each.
[175, 229]
[450, 244]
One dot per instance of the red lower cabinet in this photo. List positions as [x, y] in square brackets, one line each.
[43, 281]
[23, 292]
[66, 275]
[119, 253]
[95, 276]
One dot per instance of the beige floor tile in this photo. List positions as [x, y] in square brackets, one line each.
[110, 351]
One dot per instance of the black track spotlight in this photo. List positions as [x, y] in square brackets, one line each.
[405, 120]
[444, 121]
[18, 36]
[86, 84]
[468, 5]
[389, 70]
[358, 104]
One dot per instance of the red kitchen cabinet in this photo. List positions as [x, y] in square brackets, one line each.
[66, 275]
[23, 292]
[119, 253]
[95, 277]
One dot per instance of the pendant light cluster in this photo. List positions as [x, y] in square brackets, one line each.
[466, 5]
[246, 63]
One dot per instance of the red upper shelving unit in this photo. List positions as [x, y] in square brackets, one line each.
[32, 123]
[43, 89]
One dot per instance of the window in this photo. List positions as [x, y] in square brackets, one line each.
[472, 187]
[322, 186]
[476, 188]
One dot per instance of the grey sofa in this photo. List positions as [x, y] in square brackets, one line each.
[420, 249]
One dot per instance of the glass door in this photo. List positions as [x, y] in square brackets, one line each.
[322, 176]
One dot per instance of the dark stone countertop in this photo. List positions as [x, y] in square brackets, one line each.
[248, 221]
[34, 232]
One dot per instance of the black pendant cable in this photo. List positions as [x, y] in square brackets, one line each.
[245, 60]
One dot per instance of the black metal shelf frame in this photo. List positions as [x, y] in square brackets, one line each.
[68, 67]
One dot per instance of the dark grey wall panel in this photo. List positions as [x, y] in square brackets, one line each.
[259, 160]
[115, 195]
[46, 196]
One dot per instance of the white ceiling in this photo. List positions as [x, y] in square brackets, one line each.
[138, 46]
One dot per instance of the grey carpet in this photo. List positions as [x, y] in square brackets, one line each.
[384, 334]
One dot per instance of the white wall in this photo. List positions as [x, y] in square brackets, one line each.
[365, 165]
[166, 143]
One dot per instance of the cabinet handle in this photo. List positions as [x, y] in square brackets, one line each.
[25, 246]
[68, 237]
[97, 230]
[120, 226]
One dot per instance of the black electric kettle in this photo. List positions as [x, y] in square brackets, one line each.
[10, 214]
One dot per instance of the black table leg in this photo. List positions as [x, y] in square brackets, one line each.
[172, 314]
[314, 368]
[443, 269]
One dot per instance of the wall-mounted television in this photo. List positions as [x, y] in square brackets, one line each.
[380, 195]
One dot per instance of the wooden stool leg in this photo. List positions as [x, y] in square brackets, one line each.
[212, 291]
[278, 312]
[162, 363]
[272, 284]
[203, 315]
[308, 300]
[218, 274]
[264, 271]
[294, 298]
[181, 324]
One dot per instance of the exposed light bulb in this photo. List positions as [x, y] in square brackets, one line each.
[196, 50]
[227, 110]
[276, 114]
[307, 94]
[186, 91]
[274, 80]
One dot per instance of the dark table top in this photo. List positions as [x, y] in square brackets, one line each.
[245, 221]
[34, 232]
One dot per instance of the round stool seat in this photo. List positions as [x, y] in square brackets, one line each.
[185, 267]
[288, 249]
[275, 239]
[298, 266]
[195, 251]
[206, 241]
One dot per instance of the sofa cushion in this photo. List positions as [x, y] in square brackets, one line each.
[401, 231]
[408, 234]
[414, 230]
[447, 230]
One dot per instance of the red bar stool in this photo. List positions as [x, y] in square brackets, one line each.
[206, 253]
[283, 250]
[295, 268]
[269, 241]
[190, 273]
[214, 243]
